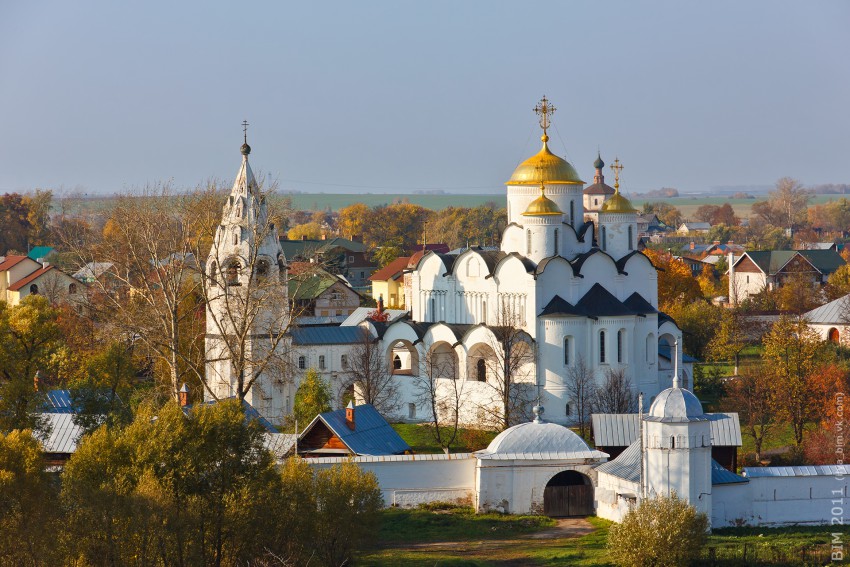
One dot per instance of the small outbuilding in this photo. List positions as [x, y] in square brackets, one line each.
[355, 430]
[537, 467]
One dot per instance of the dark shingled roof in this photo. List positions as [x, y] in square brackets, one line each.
[600, 302]
[560, 306]
[598, 189]
[771, 261]
[638, 304]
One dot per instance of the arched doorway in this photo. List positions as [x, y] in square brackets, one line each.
[833, 335]
[568, 493]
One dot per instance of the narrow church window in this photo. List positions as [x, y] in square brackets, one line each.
[213, 271]
[602, 347]
[302, 363]
[343, 361]
[572, 213]
[650, 347]
[620, 334]
[481, 370]
[321, 362]
[484, 312]
[396, 362]
[556, 241]
[631, 236]
[433, 310]
[672, 442]
[528, 241]
[567, 409]
[567, 351]
[239, 208]
[604, 238]
[235, 236]
[411, 411]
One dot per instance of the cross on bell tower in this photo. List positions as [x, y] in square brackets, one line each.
[544, 110]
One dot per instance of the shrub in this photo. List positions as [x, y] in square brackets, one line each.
[660, 532]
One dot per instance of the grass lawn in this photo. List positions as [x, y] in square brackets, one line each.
[456, 536]
[421, 440]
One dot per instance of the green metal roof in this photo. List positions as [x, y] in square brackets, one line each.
[771, 261]
[295, 248]
[40, 252]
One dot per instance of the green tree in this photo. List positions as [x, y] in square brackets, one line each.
[30, 342]
[699, 321]
[730, 338]
[28, 517]
[312, 398]
[793, 352]
[664, 531]
[838, 283]
[348, 511]
[102, 393]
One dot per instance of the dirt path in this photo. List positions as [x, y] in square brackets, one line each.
[566, 528]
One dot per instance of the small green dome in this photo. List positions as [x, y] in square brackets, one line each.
[598, 164]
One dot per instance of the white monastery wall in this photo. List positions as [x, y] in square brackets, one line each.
[516, 487]
[410, 480]
[782, 501]
[610, 504]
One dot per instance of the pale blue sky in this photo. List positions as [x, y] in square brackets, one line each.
[397, 96]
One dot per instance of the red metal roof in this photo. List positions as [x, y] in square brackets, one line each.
[390, 271]
[11, 261]
[36, 274]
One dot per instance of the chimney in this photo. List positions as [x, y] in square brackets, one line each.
[716, 242]
[324, 236]
[183, 395]
[349, 415]
[381, 303]
[303, 237]
[357, 238]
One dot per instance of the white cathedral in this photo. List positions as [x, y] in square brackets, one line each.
[580, 292]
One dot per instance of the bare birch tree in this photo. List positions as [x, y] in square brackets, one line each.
[615, 395]
[581, 387]
[370, 374]
[442, 392]
[510, 371]
[151, 291]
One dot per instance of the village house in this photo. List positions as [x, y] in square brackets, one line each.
[760, 270]
[21, 276]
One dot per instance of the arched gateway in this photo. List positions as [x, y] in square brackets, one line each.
[568, 493]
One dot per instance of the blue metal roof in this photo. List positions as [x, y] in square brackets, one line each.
[331, 335]
[372, 435]
[802, 470]
[40, 252]
[720, 475]
[59, 401]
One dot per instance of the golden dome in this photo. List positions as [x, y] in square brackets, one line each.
[617, 204]
[545, 167]
[542, 206]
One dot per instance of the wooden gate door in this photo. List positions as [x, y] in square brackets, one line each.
[575, 500]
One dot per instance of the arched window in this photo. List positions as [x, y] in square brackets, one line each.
[321, 362]
[604, 238]
[302, 363]
[34, 289]
[528, 241]
[567, 409]
[602, 347]
[556, 241]
[631, 237]
[432, 307]
[239, 207]
[481, 370]
[484, 311]
[236, 232]
[567, 347]
[621, 337]
[234, 269]
[343, 361]
[572, 213]
[262, 268]
[72, 289]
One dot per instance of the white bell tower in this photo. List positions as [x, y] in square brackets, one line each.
[245, 268]
[677, 446]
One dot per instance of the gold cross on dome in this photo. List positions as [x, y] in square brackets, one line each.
[617, 167]
[544, 109]
[245, 130]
